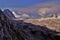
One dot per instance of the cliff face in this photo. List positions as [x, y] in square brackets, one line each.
[19, 30]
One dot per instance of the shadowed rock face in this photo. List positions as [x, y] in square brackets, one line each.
[8, 13]
[19, 30]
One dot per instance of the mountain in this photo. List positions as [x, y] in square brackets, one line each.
[8, 13]
[11, 13]
[20, 30]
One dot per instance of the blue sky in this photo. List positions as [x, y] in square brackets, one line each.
[21, 3]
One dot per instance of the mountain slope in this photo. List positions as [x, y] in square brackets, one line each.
[51, 23]
[19, 30]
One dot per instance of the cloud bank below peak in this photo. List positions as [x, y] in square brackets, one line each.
[41, 8]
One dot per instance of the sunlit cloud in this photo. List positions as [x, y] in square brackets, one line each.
[42, 8]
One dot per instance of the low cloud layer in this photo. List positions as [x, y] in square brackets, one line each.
[41, 8]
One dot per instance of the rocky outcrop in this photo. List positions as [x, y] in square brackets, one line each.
[19, 30]
[8, 13]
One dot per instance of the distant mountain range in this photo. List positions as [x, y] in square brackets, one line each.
[33, 15]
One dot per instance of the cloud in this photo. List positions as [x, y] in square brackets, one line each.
[50, 6]
[25, 15]
[44, 10]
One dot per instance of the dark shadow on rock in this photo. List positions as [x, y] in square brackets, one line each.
[19, 30]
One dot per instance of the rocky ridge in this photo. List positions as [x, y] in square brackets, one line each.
[19, 30]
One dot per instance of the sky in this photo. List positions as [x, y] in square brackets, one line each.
[21, 3]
